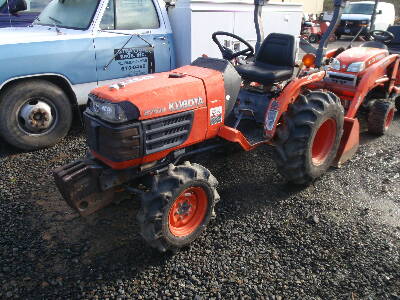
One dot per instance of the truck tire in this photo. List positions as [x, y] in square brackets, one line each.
[313, 38]
[309, 137]
[380, 117]
[34, 114]
[167, 219]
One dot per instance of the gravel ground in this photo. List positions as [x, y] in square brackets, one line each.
[336, 239]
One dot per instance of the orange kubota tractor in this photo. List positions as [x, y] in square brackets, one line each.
[140, 130]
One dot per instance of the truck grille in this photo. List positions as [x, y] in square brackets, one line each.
[166, 132]
[350, 23]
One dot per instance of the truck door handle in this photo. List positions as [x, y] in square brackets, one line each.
[160, 38]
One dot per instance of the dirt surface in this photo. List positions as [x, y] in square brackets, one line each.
[336, 239]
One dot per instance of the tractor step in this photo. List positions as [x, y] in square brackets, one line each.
[252, 131]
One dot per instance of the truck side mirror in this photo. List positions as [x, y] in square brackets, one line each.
[380, 12]
[17, 6]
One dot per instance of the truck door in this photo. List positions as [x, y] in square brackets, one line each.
[132, 40]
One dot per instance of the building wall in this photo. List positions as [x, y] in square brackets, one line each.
[310, 6]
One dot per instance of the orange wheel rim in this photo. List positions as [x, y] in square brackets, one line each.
[389, 118]
[188, 211]
[323, 142]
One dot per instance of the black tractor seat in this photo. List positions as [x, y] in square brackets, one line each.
[394, 45]
[274, 61]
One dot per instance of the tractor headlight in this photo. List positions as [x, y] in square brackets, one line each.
[335, 64]
[356, 67]
[112, 112]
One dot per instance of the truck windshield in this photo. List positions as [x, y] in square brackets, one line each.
[75, 14]
[359, 9]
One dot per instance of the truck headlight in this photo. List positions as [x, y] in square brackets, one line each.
[335, 64]
[364, 22]
[356, 67]
[112, 112]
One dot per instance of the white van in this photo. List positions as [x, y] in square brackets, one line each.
[358, 15]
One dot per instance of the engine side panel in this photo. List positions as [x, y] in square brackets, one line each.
[190, 90]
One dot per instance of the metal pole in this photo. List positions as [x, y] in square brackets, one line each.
[258, 22]
[337, 15]
[373, 17]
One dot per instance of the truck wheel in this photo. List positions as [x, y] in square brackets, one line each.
[380, 117]
[313, 38]
[34, 114]
[309, 137]
[178, 207]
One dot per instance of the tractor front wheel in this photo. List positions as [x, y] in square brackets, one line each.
[178, 207]
[380, 117]
[309, 137]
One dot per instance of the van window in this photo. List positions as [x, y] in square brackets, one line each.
[359, 8]
[36, 5]
[108, 20]
[130, 15]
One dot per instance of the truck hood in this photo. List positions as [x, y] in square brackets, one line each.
[355, 17]
[32, 34]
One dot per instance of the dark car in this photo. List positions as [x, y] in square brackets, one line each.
[8, 16]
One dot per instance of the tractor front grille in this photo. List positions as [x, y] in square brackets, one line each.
[340, 78]
[166, 132]
[116, 142]
[123, 142]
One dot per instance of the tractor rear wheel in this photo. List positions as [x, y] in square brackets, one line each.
[397, 103]
[178, 207]
[380, 116]
[309, 137]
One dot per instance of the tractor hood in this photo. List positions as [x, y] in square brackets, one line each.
[369, 56]
[159, 94]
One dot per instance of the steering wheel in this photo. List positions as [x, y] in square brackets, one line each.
[382, 36]
[227, 53]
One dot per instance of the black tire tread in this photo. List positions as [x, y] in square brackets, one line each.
[397, 103]
[291, 142]
[164, 188]
[377, 116]
[8, 129]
